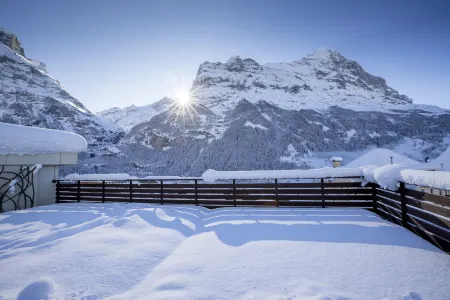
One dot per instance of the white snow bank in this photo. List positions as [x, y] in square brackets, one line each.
[436, 179]
[380, 157]
[118, 176]
[140, 251]
[166, 177]
[388, 176]
[336, 158]
[213, 175]
[21, 140]
[250, 124]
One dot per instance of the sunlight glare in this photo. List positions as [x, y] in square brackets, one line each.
[183, 97]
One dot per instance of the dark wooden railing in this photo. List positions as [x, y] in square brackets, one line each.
[195, 191]
[425, 214]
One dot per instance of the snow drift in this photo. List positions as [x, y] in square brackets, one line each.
[23, 140]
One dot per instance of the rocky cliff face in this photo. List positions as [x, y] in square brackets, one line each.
[11, 41]
[29, 96]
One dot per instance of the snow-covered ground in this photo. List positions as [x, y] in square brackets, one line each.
[139, 251]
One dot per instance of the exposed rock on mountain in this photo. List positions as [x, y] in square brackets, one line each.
[29, 96]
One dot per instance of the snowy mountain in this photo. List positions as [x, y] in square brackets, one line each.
[242, 115]
[322, 79]
[131, 116]
[29, 96]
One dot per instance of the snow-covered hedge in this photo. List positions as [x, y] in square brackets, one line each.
[437, 179]
[118, 176]
[212, 175]
[21, 140]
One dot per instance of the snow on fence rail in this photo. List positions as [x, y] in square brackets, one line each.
[213, 175]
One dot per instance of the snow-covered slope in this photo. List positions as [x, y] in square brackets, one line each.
[29, 96]
[443, 160]
[379, 157]
[131, 116]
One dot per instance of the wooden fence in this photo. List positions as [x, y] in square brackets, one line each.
[195, 191]
[425, 214]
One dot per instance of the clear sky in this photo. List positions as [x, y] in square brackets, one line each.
[118, 53]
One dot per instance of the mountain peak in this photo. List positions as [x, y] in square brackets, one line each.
[325, 55]
[11, 40]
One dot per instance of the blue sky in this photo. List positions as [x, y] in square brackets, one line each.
[118, 53]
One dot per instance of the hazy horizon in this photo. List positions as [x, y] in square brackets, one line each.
[116, 53]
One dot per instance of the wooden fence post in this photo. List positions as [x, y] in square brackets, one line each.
[276, 191]
[162, 192]
[196, 192]
[322, 186]
[234, 192]
[403, 205]
[57, 191]
[374, 198]
[78, 191]
[103, 191]
[131, 191]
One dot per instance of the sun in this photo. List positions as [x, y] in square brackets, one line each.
[183, 97]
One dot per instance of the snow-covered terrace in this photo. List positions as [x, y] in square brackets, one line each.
[141, 251]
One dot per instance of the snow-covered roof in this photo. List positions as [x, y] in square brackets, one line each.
[380, 157]
[336, 158]
[213, 175]
[23, 140]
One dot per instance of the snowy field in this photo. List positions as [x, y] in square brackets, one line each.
[138, 251]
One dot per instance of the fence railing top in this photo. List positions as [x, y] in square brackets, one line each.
[196, 178]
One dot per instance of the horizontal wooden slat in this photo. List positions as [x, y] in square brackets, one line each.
[441, 200]
[433, 238]
[389, 202]
[445, 234]
[389, 210]
[430, 207]
[427, 216]
[389, 194]
[383, 211]
[327, 204]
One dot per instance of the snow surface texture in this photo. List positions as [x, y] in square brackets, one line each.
[139, 251]
[21, 140]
